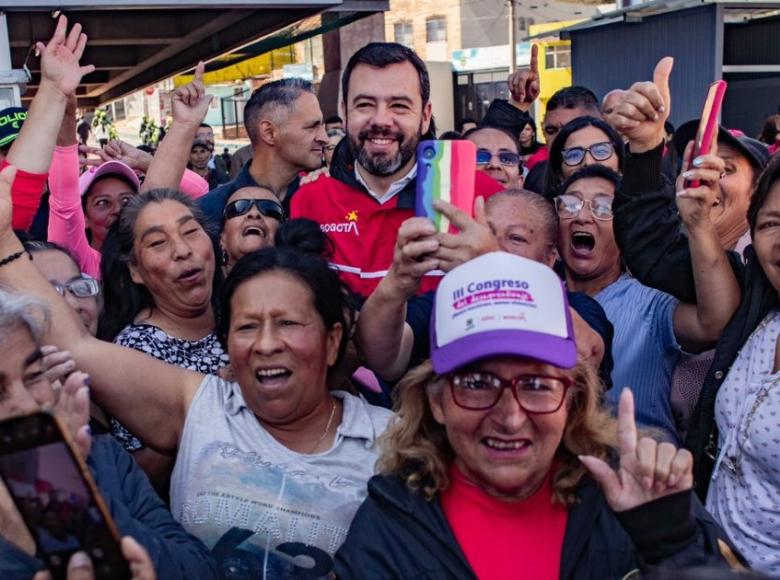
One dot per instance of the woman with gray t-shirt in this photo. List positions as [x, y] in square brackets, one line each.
[274, 465]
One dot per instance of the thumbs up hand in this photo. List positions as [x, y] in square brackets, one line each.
[639, 113]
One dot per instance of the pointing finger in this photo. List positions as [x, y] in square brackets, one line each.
[534, 58]
[626, 423]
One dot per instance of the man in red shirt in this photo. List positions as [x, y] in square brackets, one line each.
[371, 188]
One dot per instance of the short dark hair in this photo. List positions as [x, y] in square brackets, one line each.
[299, 251]
[383, 54]
[592, 171]
[124, 299]
[464, 121]
[506, 132]
[766, 181]
[206, 126]
[575, 97]
[281, 93]
[554, 176]
[333, 119]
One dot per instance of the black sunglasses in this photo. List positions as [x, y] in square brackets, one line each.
[266, 207]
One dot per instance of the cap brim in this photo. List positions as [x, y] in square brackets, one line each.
[108, 168]
[559, 352]
[687, 133]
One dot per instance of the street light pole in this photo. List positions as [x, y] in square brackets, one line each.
[512, 38]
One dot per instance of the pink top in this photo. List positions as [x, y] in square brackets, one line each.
[67, 226]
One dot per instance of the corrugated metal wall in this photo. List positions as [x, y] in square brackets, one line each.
[751, 97]
[617, 55]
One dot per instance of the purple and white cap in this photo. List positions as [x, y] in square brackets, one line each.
[501, 305]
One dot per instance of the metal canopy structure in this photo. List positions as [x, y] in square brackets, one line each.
[136, 44]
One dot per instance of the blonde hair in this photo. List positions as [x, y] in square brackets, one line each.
[415, 446]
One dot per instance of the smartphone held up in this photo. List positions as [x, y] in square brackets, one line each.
[445, 171]
[57, 498]
[707, 132]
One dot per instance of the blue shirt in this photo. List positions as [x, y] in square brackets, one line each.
[644, 348]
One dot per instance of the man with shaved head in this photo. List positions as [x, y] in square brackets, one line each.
[285, 126]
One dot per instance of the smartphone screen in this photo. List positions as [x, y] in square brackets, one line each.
[54, 499]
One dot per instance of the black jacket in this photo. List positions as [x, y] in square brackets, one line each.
[655, 248]
[396, 533]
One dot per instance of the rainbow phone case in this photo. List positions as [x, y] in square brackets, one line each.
[445, 171]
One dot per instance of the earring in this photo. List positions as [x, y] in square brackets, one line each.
[224, 257]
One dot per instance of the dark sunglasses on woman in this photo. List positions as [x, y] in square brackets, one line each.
[266, 207]
[599, 151]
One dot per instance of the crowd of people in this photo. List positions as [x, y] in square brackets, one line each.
[287, 374]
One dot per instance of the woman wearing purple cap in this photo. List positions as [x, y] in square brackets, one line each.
[490, 468]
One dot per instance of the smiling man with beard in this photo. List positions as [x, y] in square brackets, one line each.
[651, 327]
[371, 188]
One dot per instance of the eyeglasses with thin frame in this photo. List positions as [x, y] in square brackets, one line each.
[83, 287]
[506, 158]
[569, 206]
[266, 207]
[536, 394]
[573, 156]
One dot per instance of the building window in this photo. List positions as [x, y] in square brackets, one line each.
[402, 32]
[557, 57]
[436, 29]
[521, 23]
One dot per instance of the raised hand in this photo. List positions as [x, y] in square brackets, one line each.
[72, 407]
[57, 364]
[524, 84]
[80, 566]
[127, 154]
[473, 239]
[60, 57]
[190, 102]
[640, 112]
[648, 470]
[412, 258]
[698, 186]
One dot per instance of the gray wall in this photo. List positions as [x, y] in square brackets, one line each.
[617, 55]
[751, 97]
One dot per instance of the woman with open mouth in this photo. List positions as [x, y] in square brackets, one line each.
[489, 468]
[160, 276]
[270, 469]
[651, 327]
[250, 220]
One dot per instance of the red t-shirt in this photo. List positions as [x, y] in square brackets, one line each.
[505, 540]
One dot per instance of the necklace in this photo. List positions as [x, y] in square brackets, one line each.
[327, 427]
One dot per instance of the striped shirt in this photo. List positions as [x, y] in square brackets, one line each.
[644, 348]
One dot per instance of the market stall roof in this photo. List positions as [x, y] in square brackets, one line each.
[135, 43]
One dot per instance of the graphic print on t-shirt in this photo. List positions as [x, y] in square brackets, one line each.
[281, 517]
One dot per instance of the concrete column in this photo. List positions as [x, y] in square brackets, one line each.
[338, 46]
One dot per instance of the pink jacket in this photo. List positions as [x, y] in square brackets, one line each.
[67, 226]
